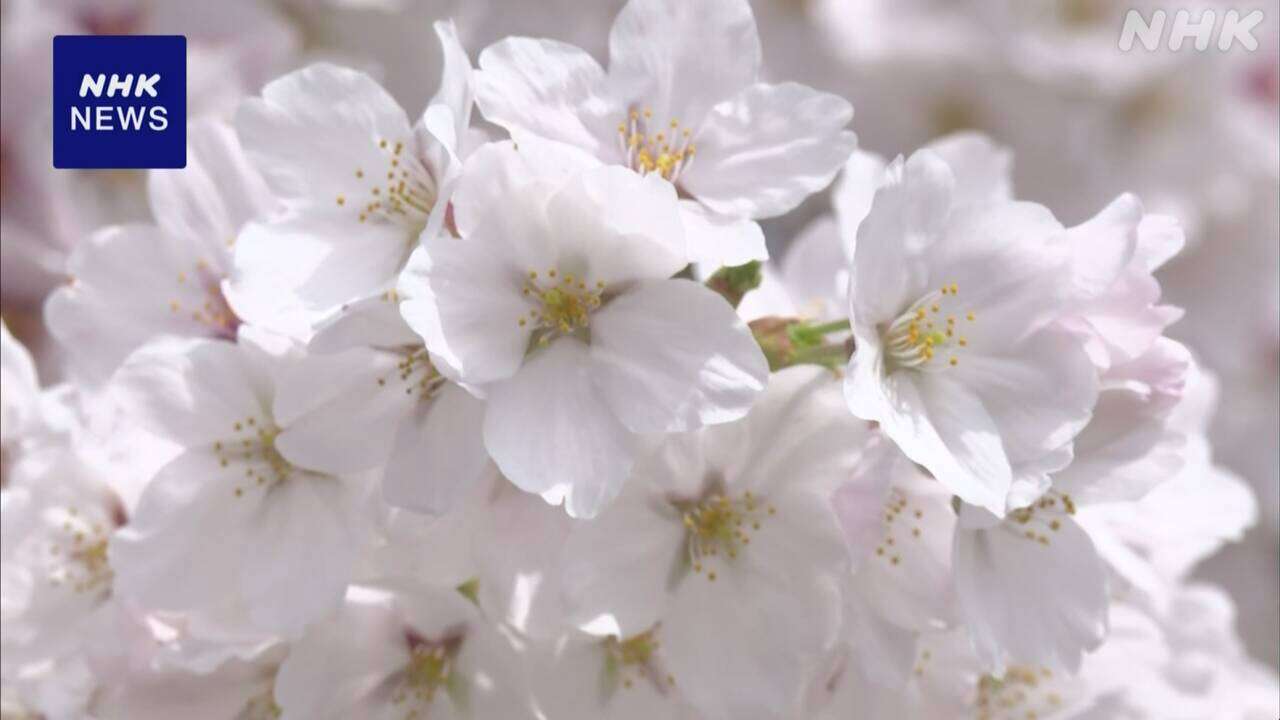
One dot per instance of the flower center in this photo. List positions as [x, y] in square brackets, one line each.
[634, 659]
[721, 526]
[1022, 693]
[929, 327]
[254, 446]
[214, 313]
[83, 562]
[654, 147]
[430, 669]
[562, 303]
[416, 374]
[399, 190]
[1043, 515]
[899, 516]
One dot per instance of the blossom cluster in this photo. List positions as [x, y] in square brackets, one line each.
[506, 410]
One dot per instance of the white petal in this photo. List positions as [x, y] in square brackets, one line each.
[313, 129]
[551, 433]
[302, 550]
[205, 203]
[190, 500]
[854, 193]
[764, 151]
[1039, 393]
[543, 88]
[331, 672]
[438, 453]
[339, 412]
[942, 425]
[463, 294]
[627, 581]
[683, 58]
[671, 355]
[1031, 602]
[194, 392]
[718, 240]
[907, 216]
[372, 322]
[982, 168]
[496, 170]
[614, 226]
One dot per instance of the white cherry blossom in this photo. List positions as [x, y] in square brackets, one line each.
[952, 307]
[559, 307]
[681, 100]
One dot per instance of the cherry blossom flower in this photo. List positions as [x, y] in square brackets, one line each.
[562, 311]
[361, 186]
[216, 401]
[976, 385]
[717, 521]
[410, 652]
[132, 283]
[681, 100]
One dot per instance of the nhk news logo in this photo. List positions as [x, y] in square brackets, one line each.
[119, 101]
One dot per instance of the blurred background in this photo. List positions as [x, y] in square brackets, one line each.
[1196, 133]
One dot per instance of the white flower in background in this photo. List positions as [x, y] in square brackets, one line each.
[56, 581]
[270, 517]
[560, 308]
[681, 100]
[361, 186]
[132, 283]
[956, 357]
[1033, 586]
[1157, 540]
[239, 687]
[232, 48]
[408, 652]
[734, 559]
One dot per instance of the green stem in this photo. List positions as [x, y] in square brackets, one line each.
[828, 328]
[831, 356]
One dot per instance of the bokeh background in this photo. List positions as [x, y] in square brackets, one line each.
[1195, 133]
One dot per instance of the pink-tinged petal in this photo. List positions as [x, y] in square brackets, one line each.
[761, 153]
[1102, 247]
[551, 433]
[671, 355]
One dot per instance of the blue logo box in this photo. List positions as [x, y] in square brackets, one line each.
[119, 101]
